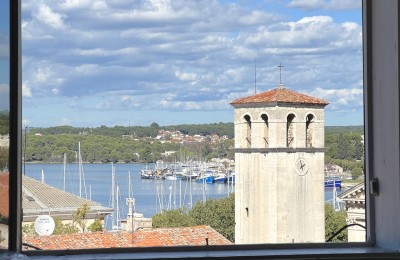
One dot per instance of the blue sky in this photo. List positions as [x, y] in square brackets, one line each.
[124, 62]
[4, 56]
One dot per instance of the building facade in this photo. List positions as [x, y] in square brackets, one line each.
[355, 209]
[279, 165]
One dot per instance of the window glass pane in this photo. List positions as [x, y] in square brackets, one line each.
[153, 119]
[4, 120]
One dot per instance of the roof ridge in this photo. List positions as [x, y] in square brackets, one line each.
[60, 191]
[280, 95]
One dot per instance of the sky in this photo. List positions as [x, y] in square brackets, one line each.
[124, 62]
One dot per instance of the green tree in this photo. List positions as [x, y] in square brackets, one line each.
[218, 214]
[155, 125]
[334, 221]
[79, 217]
[96, 226]
[61, 229]
[357, 172]
[29, 230]
[3, 158]
[172, 218]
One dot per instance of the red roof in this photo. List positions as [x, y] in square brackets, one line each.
[4, 183]
[280, 95]
[184, 236]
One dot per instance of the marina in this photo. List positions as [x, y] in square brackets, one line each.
[200, 172]
[151, 196]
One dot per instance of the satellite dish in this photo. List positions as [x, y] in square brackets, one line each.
[44, 225]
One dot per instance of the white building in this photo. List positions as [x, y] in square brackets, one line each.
[355, 209]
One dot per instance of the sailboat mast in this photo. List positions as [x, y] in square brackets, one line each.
[112, 195]
[118, 216]
[65, 164]
[180, 193]
[130, 192]
[80, 169]
[130, 200]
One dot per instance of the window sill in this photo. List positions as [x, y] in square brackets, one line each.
[336, 251]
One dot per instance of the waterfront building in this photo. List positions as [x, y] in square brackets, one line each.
[279, 165]
[41, 199]
[354, 198]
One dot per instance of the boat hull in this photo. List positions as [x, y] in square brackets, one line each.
[208, 179]
[333, 183]
[220, 180]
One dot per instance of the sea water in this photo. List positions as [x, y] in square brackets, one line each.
[150, 196]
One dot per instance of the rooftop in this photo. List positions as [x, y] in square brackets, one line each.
[354, 194]
[38, 198]
[183, 236]
[4, 180]
[280, 95]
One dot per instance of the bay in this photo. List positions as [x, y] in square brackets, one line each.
[150, 195]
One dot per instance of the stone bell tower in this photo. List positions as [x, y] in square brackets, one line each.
[279, 165]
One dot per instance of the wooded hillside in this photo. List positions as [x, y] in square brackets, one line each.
[137, 143]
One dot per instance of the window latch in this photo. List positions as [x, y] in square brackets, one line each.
[374, 187]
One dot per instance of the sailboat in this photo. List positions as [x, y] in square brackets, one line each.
[42, 176]
[81, 173]
[115, 216]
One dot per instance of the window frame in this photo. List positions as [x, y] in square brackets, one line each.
[372, 249]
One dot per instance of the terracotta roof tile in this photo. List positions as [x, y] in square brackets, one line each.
[4, 183]
[280, 95]
[184, 236]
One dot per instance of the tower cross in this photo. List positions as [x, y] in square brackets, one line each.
[280, 73]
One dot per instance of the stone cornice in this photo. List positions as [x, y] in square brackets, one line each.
[279, 150]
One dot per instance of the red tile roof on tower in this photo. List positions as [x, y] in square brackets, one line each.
[280, 95]
[184, 236]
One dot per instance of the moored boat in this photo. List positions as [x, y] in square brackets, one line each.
[220, 178]
[231, 178]
[146, 173]
[206, 178]
[333, 182]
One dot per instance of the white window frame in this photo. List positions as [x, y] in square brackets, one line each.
[381, 26]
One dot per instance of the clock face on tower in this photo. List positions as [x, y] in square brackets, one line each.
[301, 166]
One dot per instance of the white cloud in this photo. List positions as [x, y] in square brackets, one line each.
[182, 55]
[42, 74]
[195, 106]
[25, 122]
[341, 99]
[185, 76]
[64, 121]
[87, 69]
[26, 90]
[316, 34]
[55, 91]
[76, 4]
[325, 4]
[44, 14]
